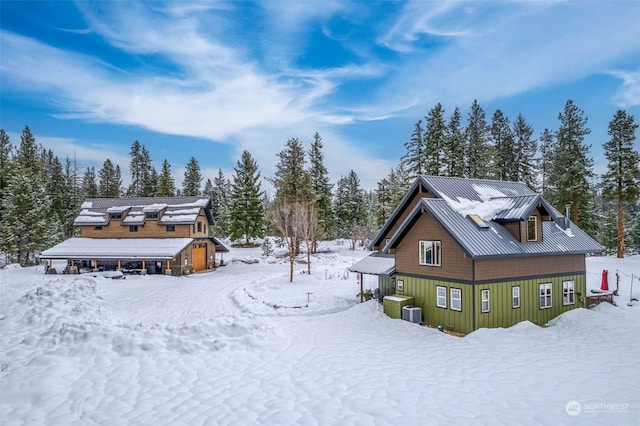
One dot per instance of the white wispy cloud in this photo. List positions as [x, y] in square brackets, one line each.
[490, 50]
[628, 95]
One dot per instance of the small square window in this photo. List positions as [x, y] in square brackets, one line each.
[133, 228]
[485, 303]
[171, 228]
[98, 227]
[456, 299]
[441, 297]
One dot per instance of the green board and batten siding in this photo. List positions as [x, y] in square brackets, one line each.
[501, 313]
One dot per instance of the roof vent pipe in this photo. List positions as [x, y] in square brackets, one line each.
[567, 221]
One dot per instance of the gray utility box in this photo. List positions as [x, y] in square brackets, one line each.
[412, 314]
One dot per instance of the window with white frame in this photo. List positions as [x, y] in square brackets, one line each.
[456, 299]
[441, 297]
[430, 253]
[532, 229]
[568, 292]
[515, 296]
[485, 304]
[545, 295]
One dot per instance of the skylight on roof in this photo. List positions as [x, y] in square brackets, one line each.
[478, 221]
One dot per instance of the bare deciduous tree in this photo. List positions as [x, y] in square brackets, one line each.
[287, 218]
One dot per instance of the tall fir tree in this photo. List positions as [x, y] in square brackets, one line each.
[321, 188]
[89, 184]
[192, 178]
[526, 150]
[621, 182]
[27, 227]
[506, 166]
[28, 156]
[220, 205]
[246, 197]
[58, 192]
[349, 205]
[109, 180]
[478, 154]
[72, 181]
[572, 171]
[166, 184]
[292, 181]
[6, 163]
[415, 157]
[434, 136]
[454, 146]
[136, 168]
[547, 148]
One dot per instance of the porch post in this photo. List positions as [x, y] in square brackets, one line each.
[144, 268]
[119, 265]
[95, 265]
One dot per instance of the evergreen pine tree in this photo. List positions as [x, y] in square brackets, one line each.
[478, 155]
[27, 226]
[136, 167]
[434, 137]
[415, 157]
[27, 155]
[321, 188]
[166, 184]
[350, 205]
[291, 181]
[506, 166]
[454, 146]
[220, 206]
[526, 150]
[6, 163]
[547, 147]
[72, 183]
[621, 182]
[246, 200]
[572, 171]
[109, 181]
[56, 187]
[192, 178]
[89, 185]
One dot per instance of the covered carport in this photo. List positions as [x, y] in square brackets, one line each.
[95, 254]
[381, 265]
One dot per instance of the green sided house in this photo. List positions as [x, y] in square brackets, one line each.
[155, 235]
[474, 253]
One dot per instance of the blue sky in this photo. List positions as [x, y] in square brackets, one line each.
[211, 79]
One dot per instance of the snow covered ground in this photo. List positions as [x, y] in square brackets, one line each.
[243, 346]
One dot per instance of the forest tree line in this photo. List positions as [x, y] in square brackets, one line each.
[41, 195]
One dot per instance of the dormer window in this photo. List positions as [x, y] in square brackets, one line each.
[532, 228]
[151, 215]
[115, 216]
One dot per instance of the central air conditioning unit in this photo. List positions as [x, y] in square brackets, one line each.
[412, 314]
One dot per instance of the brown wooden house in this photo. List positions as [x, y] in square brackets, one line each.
[161, 235]
[474, 253]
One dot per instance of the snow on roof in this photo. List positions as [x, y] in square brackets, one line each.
[153, 208]
[375, 265]
[178, 218]
[117, 248]
[86, 205]
[118, 209]
[486, 208]
[134, 218]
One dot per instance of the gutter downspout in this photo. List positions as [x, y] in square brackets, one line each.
[473, 293]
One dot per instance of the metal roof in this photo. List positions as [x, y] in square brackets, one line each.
[455, 189]
[375, 264]
[522, 206]
[118, 248]
[177, 210]
[496, 241]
